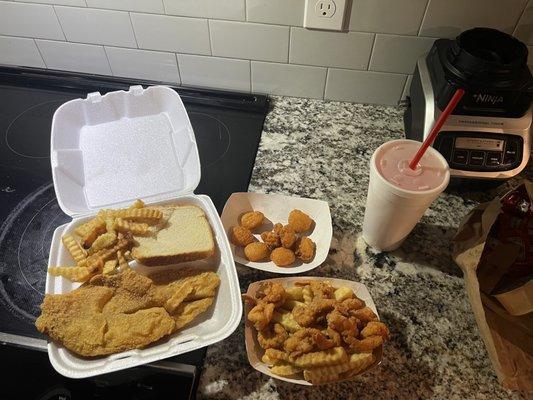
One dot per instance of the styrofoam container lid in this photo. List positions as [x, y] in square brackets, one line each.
[107, 151]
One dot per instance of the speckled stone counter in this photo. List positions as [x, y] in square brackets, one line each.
[321, 150]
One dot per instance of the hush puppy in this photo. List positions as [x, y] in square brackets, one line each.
[300, 221]
[305, 249]
[241, 236]
[252, 220]
[277, 228]
[256, 251]
[288, 236]
[282, 257]
[271, 239]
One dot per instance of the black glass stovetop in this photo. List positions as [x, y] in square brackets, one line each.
[227, 127]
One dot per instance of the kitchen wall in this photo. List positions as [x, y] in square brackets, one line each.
[247, 45]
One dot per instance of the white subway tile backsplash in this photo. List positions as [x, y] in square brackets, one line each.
[250, 41]
[334, 49]
[407, 87]
[215, 72]
[143, 64]
[160, 32]
[387, 16]
[524, 29]
[20, 51]
[223, 9]
[150, 6]
[77, 3]
[451, 17]
[107, 27]
[284, 12]
[288, 79]
[29, 20]
[364, 86]
[74, 57]
[398, 53]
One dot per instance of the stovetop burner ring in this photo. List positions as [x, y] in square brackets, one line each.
[224, 139]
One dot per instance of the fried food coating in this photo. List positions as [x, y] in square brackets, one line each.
[261, 315]
[277, 228]
[272, 292]
[256, 251]
[282, 257]
[240, 236]
[375, 328]
[300, 221]
[252, 220]
[118, 312]
[287, 236]
[272, 338]
[271, 239]
[305, 249]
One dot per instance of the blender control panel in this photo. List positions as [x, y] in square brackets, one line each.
[484, 152]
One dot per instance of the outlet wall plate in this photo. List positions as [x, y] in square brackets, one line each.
[325, 14]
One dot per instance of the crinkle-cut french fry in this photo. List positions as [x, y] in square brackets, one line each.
[307, 294]
[110, 225]
[122, 262]
[322, 358]
[290, 304]
[285, 369]
[267, 360]
[137, 204]
[319, 380]
[363, 365]
[90, 230]
[356, 361]
[103, 242]
[286, 319]
[343, 293]
[75, 274]
[278, 355]
[110, 267]
[77, 252]
[137, 228]
[96, 261]
[142, 213]
[294, 293]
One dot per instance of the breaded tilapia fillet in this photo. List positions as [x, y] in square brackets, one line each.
[115, 313]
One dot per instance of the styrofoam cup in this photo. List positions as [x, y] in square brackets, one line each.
[391, 211]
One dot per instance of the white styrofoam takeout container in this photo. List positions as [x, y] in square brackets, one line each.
[276, 208]
[255, 352]
[107, 151]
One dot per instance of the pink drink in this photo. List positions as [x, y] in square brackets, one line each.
[398, 196]
[393, 164]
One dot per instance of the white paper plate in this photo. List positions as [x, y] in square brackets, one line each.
[255, 352]
[276, 208]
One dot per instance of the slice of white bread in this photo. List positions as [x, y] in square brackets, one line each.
[186, 236]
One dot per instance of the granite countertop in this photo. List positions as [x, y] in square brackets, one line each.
[318, 149]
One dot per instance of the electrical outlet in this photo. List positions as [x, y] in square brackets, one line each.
[325, 14]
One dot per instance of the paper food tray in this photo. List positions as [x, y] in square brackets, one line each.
[276, 208]
[115, 142]
[255, 352]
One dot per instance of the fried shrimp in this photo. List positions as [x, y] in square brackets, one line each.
[261, 315]
[309, 314]
[375, 328]
[272, 292]
[364, 315]
[272, 337]
[363, 345]
[347, 306]
[346, 327]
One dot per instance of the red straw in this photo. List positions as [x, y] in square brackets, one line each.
[436, 128]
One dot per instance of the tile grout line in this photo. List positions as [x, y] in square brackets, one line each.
[40, 53]
[59, 22]
[371, 52]
[423, 18]
[179, 71]
[325, 85]
[133, 30]
[108, 62]
[245, 10]
[209, 36]
[164, 7]
[519, 18]
[250, 69]
[289, 46]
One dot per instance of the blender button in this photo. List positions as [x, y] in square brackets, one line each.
[477, 158]
[493, 159]
[460, 156]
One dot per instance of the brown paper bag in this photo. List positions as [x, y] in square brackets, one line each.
[498, 271]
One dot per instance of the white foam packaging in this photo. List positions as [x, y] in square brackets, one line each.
[107, 151]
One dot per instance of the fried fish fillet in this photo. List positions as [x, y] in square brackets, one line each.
[115, 313]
